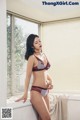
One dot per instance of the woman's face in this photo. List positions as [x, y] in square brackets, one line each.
[37, 44]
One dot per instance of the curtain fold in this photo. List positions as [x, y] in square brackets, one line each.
[58, 107]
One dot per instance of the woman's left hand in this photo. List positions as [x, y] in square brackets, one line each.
[50, 86]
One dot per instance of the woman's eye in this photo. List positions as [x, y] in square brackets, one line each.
[37, 42]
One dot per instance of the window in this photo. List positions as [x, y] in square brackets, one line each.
[17, 32]
[9, 62]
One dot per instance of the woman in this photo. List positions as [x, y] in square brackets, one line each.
[38, 65]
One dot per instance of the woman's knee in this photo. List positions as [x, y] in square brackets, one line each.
[46, 118]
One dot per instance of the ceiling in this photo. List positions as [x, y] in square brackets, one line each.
[34, 9]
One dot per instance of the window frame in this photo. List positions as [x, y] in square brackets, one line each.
[13, 80]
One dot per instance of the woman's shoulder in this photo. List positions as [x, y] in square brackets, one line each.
[31, 57]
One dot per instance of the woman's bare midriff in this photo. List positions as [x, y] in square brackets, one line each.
[39, 78]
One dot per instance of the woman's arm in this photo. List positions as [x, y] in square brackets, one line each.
[27, 79]
[49, 78]
[50, 82]
[28, 73]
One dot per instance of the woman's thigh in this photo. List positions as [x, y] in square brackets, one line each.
[46, 98]
[40, 105]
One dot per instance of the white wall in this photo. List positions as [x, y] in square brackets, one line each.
[26, 113]
[25, 109]
[3, 54]
[74, 109]
[61, 43]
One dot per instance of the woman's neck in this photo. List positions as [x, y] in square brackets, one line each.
[38, 52]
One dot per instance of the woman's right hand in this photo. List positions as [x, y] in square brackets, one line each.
[24, 98]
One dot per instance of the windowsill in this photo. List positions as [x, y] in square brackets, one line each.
[15, 105]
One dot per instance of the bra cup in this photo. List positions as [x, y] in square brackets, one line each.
[40, 65]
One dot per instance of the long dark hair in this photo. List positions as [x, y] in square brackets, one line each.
[29, 45]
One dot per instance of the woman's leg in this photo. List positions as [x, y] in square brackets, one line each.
[46, 98]
[47, 102]
[40, 105]
[39, 118]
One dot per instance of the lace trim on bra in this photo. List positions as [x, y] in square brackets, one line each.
[41, 65]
